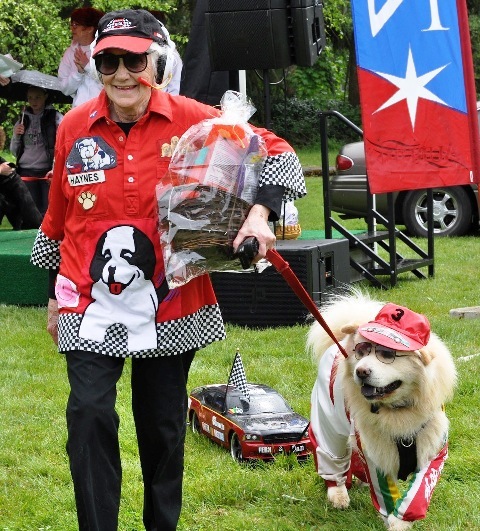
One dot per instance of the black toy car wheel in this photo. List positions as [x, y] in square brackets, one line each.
[195, 423]
[236, 448]
[452, 212]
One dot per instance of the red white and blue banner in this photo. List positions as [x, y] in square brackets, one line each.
[417, 93]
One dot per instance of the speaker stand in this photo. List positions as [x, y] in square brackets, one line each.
[266, 99]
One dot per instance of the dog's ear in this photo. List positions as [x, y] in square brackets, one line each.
[425, 355]
[349, 329]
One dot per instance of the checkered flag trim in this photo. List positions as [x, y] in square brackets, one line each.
[238, 377]
[45, 252]
[284, 170]
[174, 337]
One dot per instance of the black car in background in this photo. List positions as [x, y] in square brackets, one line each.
[455, 208]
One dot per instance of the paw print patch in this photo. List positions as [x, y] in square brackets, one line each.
[87, 200]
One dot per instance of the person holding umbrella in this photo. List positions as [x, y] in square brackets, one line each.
[77, 79]
[108, 299]
[33, 144]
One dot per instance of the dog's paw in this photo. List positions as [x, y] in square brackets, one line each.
[338, 497]
[395, 524]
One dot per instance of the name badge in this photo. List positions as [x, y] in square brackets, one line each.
[90, 177]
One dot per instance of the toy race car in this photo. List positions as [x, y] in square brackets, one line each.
[259, 428]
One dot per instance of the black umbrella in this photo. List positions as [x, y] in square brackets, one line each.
[20, 81]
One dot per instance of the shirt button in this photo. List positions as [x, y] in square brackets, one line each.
[130, 157]
[120, 138]
[131, 180]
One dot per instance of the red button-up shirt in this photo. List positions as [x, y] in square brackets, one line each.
[101, 227]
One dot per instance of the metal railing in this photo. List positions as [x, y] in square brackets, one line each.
[369, 242]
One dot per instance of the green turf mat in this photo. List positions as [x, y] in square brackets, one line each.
[21, 283]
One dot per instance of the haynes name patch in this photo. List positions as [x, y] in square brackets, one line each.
[91, 177]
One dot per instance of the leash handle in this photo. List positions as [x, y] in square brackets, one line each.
[283, 267]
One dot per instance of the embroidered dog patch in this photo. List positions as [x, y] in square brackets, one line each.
[89, 154]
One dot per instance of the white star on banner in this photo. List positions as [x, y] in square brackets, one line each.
[411, 88]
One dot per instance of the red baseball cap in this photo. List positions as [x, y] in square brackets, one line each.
[133, 30]
[398, 328]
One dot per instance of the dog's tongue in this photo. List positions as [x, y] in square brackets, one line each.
[115, 288]
[368, 390]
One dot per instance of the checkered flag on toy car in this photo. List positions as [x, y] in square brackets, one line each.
[238, 377]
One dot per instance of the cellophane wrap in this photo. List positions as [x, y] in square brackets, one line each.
[210, 186]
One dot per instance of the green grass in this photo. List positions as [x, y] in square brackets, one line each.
[35, 487]
[311, 155]
[34, 479]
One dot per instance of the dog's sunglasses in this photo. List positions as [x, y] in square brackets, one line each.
[107, 63]
[384, 354]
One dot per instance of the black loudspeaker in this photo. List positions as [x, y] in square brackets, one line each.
[248, 34]
[261, 300]
[308, 31]
[264, 34]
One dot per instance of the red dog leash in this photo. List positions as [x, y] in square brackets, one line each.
[292, 280]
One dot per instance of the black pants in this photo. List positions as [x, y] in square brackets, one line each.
[159, 409]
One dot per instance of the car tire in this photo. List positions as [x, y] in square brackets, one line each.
[195, 423]
[452, 212]
[236, 448]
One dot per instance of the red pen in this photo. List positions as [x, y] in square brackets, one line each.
[156, 87]
[146, 83]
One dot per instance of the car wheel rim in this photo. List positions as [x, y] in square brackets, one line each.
[195, 424]
[445, 211]
[236, 448]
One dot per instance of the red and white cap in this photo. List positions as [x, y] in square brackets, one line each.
[398, 328]
[133, 30]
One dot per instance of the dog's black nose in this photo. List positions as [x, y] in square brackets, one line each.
[363, 373]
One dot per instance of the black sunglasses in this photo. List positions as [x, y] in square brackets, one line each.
[107, 63]
[384, 354]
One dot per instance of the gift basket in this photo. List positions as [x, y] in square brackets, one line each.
[210, 186]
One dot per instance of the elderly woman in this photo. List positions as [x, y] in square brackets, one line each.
[100, 230]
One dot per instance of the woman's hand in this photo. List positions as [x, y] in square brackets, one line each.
[19, 129]
[52, 319]
[256, 225]
[80, 59]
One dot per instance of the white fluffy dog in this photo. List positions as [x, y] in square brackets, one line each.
[378, 414]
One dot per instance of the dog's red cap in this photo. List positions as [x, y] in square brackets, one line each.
[397, 327]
